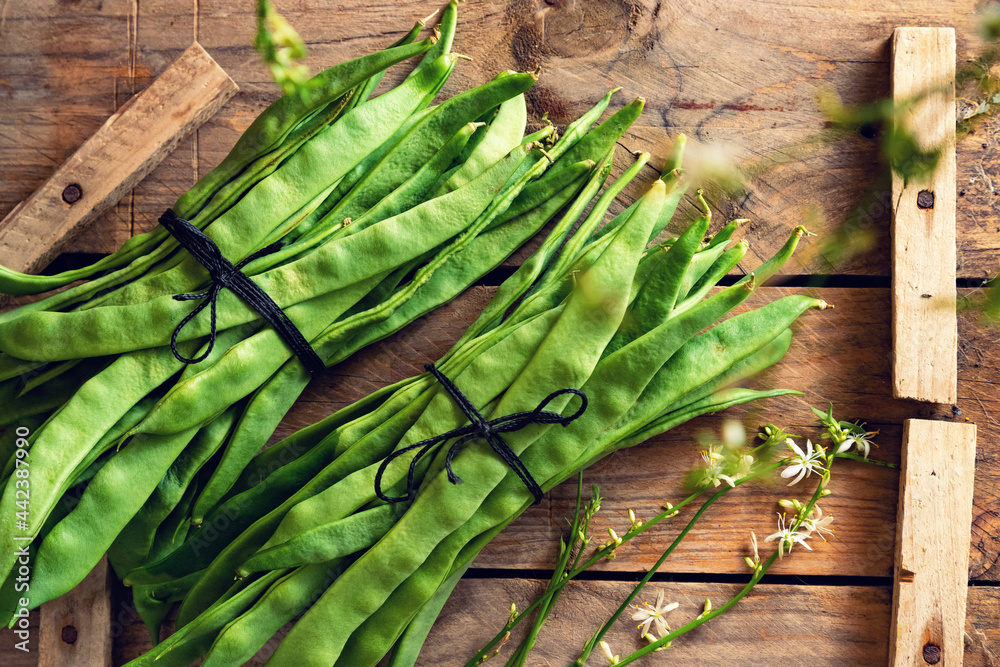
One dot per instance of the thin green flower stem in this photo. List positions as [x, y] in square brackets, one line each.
[589, 646]
[703, 619]
[777, 438]
[862, 459]
[600, 554]
[524, 648]
[583, 544]
[552, 590]
[758, 575]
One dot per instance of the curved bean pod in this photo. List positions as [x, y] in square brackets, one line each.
[501, 137]
[287, 598]
[190, 642]
[343, 537]
[386, 246]
[76, 544]
[133, 545]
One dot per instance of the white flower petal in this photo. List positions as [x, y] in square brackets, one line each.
[795, 448]
[790, 470]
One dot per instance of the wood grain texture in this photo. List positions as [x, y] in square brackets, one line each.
[935, 515]
[741, 79]
[111, 162]
[776, 624]
[924, 335]
[76, 628]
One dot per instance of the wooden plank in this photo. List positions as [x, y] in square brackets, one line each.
[935, 516]
[807, 624]
[111, 162]
[60, 67]
[75, 629]
[161, 31]
[857, 381]
[773, 625]
[924, 327]
[754, 101]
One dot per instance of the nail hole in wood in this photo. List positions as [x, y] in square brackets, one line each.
[72, 193]
[925, 199]
[68, 634]
[932, 654]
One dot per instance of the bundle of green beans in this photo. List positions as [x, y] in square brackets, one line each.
[304, 529]
[388, 208]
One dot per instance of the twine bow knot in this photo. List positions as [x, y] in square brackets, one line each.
[479, 428]
[226, 275]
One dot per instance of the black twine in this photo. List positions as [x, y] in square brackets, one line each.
[225, 274]
[479, 428]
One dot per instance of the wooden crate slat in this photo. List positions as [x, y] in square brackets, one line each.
[122, 152]
[924, 326]
[935, 512]
[75, 629]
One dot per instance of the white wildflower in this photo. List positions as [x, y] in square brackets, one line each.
[744, 466]
[860, 441]
[652, 615]
[755, 563]
[714, 470]
[733, 434]
[817, 523]
[788, 537]
[803, 463]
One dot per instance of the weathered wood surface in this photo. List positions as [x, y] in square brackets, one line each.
[739, 76]
[125, 149]
[746, 74]
[76, 628]
[924, 336]
[856, 334]
[935, 503]
[776, 624]
[934, 518]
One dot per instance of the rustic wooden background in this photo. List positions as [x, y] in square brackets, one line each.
[741, 79]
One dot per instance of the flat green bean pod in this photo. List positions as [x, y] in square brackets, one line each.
[326, 542]
[503, 134]
[387, 245]
[287, 598]
[592, 313]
